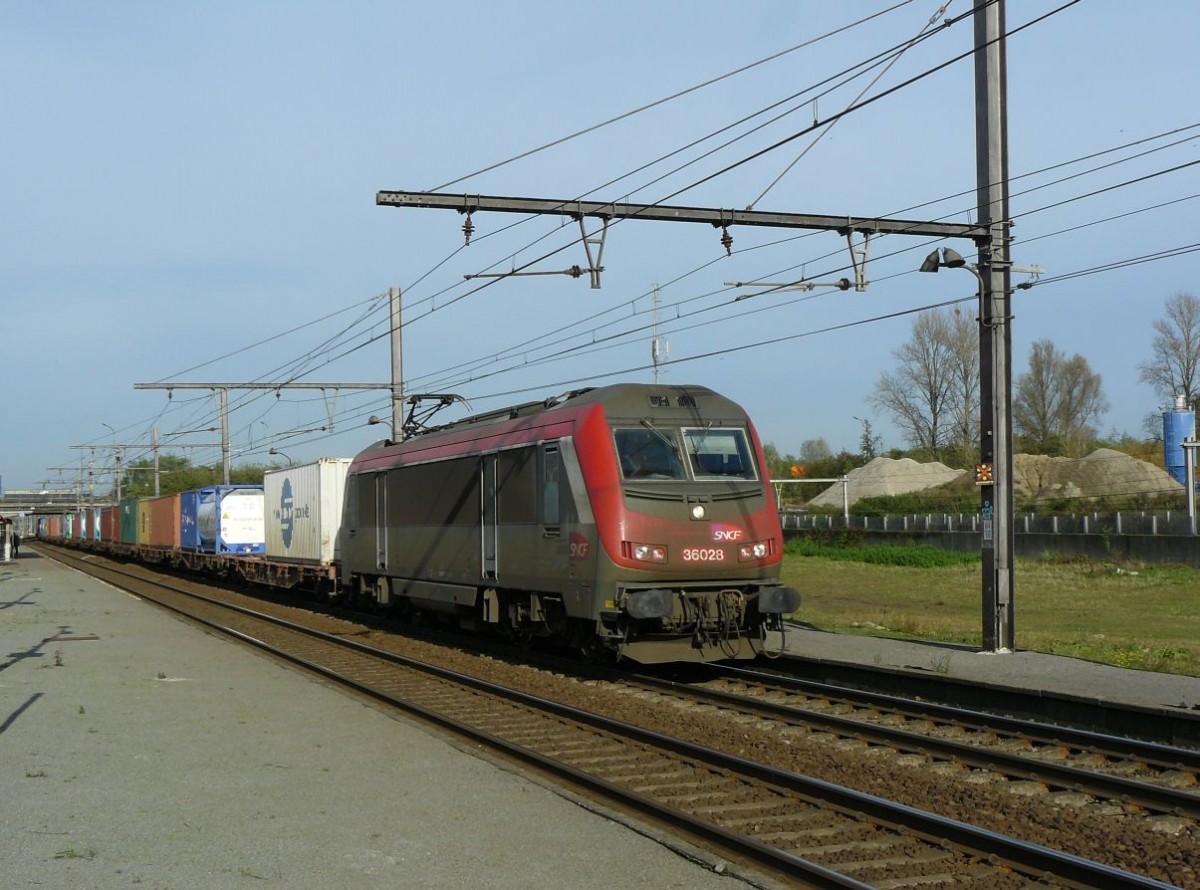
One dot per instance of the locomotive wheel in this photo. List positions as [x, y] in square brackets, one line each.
[517, 635]
[593, 651]
[363, 594]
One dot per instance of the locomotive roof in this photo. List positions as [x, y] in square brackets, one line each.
[671, 403]
[619, 399]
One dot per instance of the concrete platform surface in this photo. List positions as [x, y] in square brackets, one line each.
[137, 751]
[1033, 671]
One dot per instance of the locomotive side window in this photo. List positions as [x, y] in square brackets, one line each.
[649, 453]
[551, 473]
[719, 453]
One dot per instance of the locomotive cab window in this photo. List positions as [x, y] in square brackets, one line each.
[649, 453]
[719, 453]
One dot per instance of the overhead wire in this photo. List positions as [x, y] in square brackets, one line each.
[821, 135]
[907, 44]
[299, 364]
[831, 82]
[430, 271]
[849, 109]
[527, 345]
[607, 342]
[672, 97]
[631, 333]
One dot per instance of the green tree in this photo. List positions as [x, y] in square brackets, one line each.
[868, 442]
[962, 333]
[176, 474]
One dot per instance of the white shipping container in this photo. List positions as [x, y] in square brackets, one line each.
[303, 507]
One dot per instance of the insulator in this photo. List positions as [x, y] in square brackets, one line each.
[468, 229]
[726, 240]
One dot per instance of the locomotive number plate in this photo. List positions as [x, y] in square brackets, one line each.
[703, 554]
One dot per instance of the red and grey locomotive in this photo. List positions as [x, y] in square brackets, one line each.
[633, 520]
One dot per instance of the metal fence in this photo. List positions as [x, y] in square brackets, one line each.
[1145, 522]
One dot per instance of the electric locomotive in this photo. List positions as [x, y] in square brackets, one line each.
[631, 520]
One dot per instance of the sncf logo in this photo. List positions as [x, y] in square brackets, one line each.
[727, 533]
[580, 546]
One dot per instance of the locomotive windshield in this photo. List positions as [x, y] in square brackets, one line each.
[649, 453]
[719, 453]
[654, 453]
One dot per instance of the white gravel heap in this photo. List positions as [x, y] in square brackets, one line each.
[1103, 473]
[1036, 477]
[884, 476]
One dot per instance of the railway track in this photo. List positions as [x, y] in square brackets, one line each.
[806, 831]
[1109, 774]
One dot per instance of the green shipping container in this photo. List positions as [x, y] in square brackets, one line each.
[129, 520]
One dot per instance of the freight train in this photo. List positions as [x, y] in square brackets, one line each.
[631, 521]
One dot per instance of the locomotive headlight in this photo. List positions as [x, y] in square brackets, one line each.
[648, 552]
[755, 550]
[698, 511]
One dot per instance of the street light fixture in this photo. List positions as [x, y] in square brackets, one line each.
[281, 454]
[376, 419]
[952, 259]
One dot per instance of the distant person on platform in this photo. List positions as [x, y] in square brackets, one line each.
[16, 543]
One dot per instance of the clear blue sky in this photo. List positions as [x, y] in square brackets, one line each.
[189, 195]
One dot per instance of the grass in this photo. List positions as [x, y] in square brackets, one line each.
[1137, 616]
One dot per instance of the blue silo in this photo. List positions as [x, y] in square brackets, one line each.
[1179, 425]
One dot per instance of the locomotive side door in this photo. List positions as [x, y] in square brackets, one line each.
[488, 529]
[381, 523]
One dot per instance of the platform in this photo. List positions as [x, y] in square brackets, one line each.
[137, 750]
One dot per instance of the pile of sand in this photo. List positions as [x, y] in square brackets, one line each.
[1103, 473]
[1036, 478]
[884, 476]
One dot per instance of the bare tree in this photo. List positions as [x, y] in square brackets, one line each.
[920, 395]
[1175, 367]
[814, 450]
[963, 343]
[1057, 402]
[1035, 399]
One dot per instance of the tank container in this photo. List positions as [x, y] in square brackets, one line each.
[304, 510]
[222, 519]
[1179, 425]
